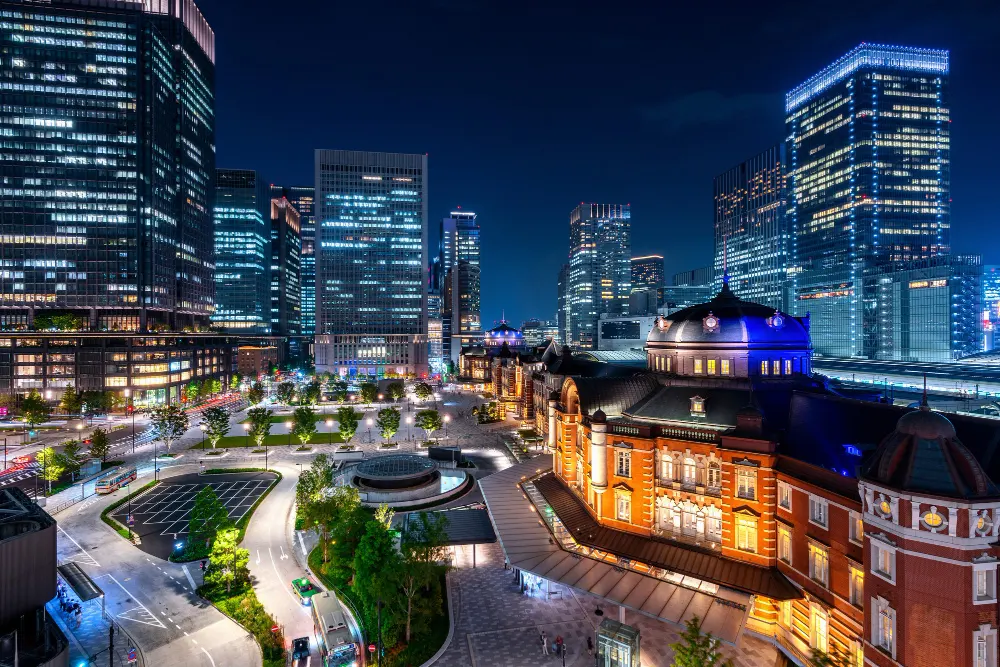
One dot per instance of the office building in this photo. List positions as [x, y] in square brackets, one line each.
[460, 314]
[302, 198]
[700, 277]
[108, 186]
[751, 236]
[869, 183]
[647, 272]
[286, 248]
[600, 272]
[562, 304]
[256, 361]
[371, 212]
[539, 332]
[242, 252]
[990, 305]
[623, 332]
[929, 309]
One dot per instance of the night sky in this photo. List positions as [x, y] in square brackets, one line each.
[529, 108]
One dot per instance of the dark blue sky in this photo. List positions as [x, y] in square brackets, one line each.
[528, 108]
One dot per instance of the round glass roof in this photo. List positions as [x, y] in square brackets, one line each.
[395, 466]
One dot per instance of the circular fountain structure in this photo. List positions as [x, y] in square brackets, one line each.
[405, 480]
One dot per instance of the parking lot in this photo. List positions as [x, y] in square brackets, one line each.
[160, 517]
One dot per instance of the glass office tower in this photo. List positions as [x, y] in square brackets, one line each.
[600, 267]
[242, 252]
[460, 317]
[869, 155]
[751, 236]
[371, 212]
[286, 249]
[302, 198]
[647, 272]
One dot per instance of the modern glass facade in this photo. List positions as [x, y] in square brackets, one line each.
[303, 199]
[869, 168]
[371, 260]
[990, 305]
[242, 252]
[600, 273]
[286, 248]
[108, 162]
[929, 309]
[562, 305]
[461, 317]
[751, 236]
[647, 272]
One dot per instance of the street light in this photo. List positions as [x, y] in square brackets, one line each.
[447, 418]
[409, 428]
[128, 512]
[246, 429]
[202, 427]
[370, 430]
[131, 409]
[288, 425]
[329, 426]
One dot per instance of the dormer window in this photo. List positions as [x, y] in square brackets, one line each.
[697, 406]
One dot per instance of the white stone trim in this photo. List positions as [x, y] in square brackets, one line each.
[990, 635]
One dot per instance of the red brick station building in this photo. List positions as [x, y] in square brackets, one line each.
[729, 471]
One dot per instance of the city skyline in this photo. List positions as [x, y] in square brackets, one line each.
[714, 110]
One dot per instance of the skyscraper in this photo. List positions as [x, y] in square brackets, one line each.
[108, 163]
[301, 197]
[460, 320]
[286, 268]
[242, 252]
[371, 212]
[600, 267]
[869, 155]
[562, 304]
[751, 235]
[647, 272]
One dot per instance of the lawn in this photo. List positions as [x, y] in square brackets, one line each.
[275, 419]
[276, 440]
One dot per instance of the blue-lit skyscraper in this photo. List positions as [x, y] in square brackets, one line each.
[108, 163]
[302, 198]
[460, 312]
[371, 259]
[242, 252]
[869, 155]
[751, 234]
[286, 271]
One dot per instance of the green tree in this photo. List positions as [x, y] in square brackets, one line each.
[34, 409]
[429, 420]
[286, 392]
[369, 392]
[311, 394]
[260, 424]
[388, 422]
[99, 444]
[216, 423]
[347, 422]
[255, 394]
[215, 386]
[698, 649]
[96, 402]
[71, 402]
[169, 423]
[422, 546]
[234, 381]
[229, 561]
[376, 573]
[819, 658]
[53, 465]
[208, 516]
[304, 424]
[71, 457]
[191, 391]
[423, 391]
[396, 390]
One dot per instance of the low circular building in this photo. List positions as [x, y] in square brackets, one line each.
[401, 480]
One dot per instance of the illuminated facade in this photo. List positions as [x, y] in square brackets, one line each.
[647, 272]
[869, 182]
[108, 119]
[600, 269]
[539, 332]
[460, 310]
[730, 472]
[751, 235]
[990, 306]
[286, 248]
[302, 198]
[371, 258]
[563, 304]
[242, 252]
[928, 310]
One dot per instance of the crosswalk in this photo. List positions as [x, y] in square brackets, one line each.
[18, 473]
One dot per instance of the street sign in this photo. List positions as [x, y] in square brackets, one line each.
[130, 520]
[371, 648]
[131, 655]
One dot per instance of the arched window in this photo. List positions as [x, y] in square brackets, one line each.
[690, 469]
[714, 475]
[666, 467]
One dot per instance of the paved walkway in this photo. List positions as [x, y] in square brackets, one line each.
[496, 626]
[90, 637]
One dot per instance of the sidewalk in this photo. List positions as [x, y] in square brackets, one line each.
[89, 641]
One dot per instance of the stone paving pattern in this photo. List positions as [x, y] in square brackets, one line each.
[497, 626]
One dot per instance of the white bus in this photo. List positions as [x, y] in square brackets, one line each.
[115, 479]
[336, 641]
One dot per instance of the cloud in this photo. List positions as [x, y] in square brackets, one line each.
[710, 107]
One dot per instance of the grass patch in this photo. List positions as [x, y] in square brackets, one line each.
[274, 440]
[106, 514]
[527, 433]
[275, 419]
[243, 607]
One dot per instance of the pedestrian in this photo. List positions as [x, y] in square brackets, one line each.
[545, 644]
[203, 565]
[590, 646]
[559, 644]
[79, 616]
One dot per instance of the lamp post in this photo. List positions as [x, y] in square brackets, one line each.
[409, 428]
[370, 430]
[329, 426]
[131, 410]
[447, 418]
[202, 427]
[128, 512]
[288, 425]
[246, 430]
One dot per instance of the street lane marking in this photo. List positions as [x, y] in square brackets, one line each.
[152, 618]
[209, 656]
[258, 556]
[283, 554]
[92, 561]
[190, 579]
[302, 544]
[280, 581]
